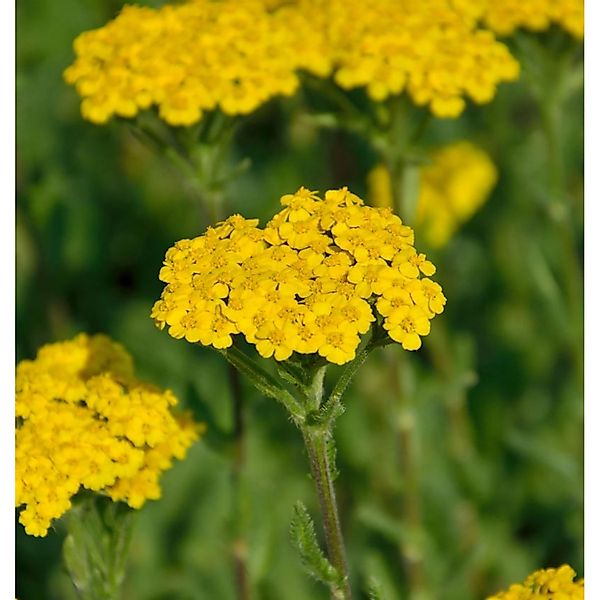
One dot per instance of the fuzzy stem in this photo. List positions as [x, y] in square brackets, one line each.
[316, 442]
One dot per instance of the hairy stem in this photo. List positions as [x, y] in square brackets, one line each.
[316, 442]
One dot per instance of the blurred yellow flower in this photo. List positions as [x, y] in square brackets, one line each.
[308, 282]
[433, 49]
[84, 421]
[185, 59]
[192, 57]
[545, 584]
[504, 16]
[458, 181]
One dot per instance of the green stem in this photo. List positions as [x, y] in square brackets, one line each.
[316, 442]
[239, 547]
[405, 177]
[397, 145]
[263, 382]
[404, 419]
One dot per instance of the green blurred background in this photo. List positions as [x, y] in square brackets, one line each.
[461, 466]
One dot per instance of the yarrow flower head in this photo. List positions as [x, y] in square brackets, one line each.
[433, 49]
[545, 584]
[458, 181]
[312, 281]
[184, 59]
[194, 56]
[505, 16]
[84, 421]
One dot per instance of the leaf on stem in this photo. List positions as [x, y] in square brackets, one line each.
[263, 381]
[302, 532]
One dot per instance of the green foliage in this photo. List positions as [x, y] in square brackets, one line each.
[304, 538]
[96, 547]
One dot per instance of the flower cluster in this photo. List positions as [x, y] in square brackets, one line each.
[545, 584]
[185, 59]
[192, 57]
[504, 16]
[453, 187]
[84, 421]
[433, 49]
[312, 281]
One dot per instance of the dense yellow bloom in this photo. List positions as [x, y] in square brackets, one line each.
[192, 57]
[504, 16]
[185, 59]
[458, 181]
[545, 584]
[84, 421]
[312, 281]
[433, 49]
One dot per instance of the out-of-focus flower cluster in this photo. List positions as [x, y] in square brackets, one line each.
[84, 421]
[545, 584]
[504, 16]
[185, 59]
[312, 281]
[433, 49]
[453, 187]
[192, 57]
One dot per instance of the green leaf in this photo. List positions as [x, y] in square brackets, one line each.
[263, 382]
[96, 548]
[302, 532]
[375, 590]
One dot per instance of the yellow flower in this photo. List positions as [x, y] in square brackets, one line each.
[186, 59]
[285, 294]
[84, 421]
[458, 181]
[191, 57]
[545, 584]
[432, 49]
[504, 16]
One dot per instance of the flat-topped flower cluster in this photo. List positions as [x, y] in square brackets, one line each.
[312, 281]
[432, 49]
[191, 57]
[546, 584]
[186, 59]
[84, 421]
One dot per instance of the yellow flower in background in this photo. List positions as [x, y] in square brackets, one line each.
[84, 421]
[453, 187]
[432, 49]
[505, 16]
[545, 584]
[184, 59]
[192, 57]
[309, 282]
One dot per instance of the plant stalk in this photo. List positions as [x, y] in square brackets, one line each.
[316, 442]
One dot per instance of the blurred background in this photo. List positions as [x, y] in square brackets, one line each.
[461, 466]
